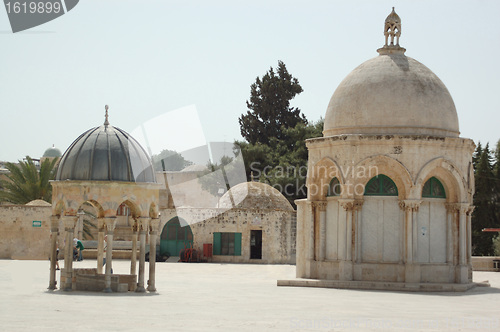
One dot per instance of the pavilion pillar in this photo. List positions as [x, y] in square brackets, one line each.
[322, 230]
[469, 239]
[100, 244]
[133, 260]
[412, 271]
[356, 229]
[153, 234]
[110, 223]
[462, 276]
[143, 228]
[54, 229]
[311, 240]
[345, 243]
[69, 227]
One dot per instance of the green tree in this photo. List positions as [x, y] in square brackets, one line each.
[486, 209]
[269, 107]
[26, 182]
[284, 165]
[169, 160]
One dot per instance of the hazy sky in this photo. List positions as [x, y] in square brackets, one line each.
[148, 58]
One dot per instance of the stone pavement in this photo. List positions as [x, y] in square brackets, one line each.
[229, 297]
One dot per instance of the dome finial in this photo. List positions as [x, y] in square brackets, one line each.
[392, 28]
[106, 122]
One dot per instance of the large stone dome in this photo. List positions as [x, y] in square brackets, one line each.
[106, 153]
[391, 94]
[254, 195]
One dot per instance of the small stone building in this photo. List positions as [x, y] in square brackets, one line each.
[259, 228]
[390, 183]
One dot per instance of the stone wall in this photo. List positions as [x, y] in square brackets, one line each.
[278, 231]
[19, 238]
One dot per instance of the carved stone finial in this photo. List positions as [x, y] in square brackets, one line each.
[392, 29]
[106, 122]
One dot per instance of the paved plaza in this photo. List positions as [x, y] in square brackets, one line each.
[235, 297]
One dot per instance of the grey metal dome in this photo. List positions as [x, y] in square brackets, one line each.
[106, 153]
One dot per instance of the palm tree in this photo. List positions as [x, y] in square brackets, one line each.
[26, 182]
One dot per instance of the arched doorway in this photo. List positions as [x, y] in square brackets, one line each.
[175, 237]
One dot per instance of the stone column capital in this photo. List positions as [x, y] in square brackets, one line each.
[358, 204]
[143, 223]
[154, 225]
[347, 204]
[109, 223]
[411, 205]
[465, 208]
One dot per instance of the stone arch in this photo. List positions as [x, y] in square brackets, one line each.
[135, 210]
[319, 177]
[448, 174]
[58, 208]
[381, 164]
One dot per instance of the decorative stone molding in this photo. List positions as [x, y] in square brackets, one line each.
[358, 204]
[154, 225]
[410, 205]
[321, 205]
[347, 204]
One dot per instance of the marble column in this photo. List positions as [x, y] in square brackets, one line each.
[54, 229]
[345, 241]
[153, 235]
[110, 223]
[412, 270]
[143, 229]
[463, 270]
[100, 244]
[310, 249]
[356, 228]
[133, 260]
[322, 230]
[69, 227]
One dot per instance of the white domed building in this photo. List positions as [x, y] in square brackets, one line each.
[390, 183]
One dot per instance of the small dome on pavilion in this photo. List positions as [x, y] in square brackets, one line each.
[106, 153]
[52, 152]
[254, 195]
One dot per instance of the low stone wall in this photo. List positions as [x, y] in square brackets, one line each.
[484, 263]
[24, 232]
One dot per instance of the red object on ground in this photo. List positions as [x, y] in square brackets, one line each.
[490, 230]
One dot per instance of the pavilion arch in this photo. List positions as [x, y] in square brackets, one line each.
[135, 210]
[58, 208]
[319, 177]
[449, 176]
[390, 167]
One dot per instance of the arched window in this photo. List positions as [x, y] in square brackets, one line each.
[381, 185]
[433, 189]
[334, 188]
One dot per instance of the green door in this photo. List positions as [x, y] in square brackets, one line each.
[174, 238]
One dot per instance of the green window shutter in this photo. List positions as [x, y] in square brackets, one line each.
[216, 244]
[237, 244]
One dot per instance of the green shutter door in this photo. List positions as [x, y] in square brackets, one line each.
[237, 244]
[216, 244]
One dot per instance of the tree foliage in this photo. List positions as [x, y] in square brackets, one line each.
[269, 107]
[283, 163]
[26, 182]
[486, 199]
[169, 160]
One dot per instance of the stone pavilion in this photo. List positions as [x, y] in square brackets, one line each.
[390, 183]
